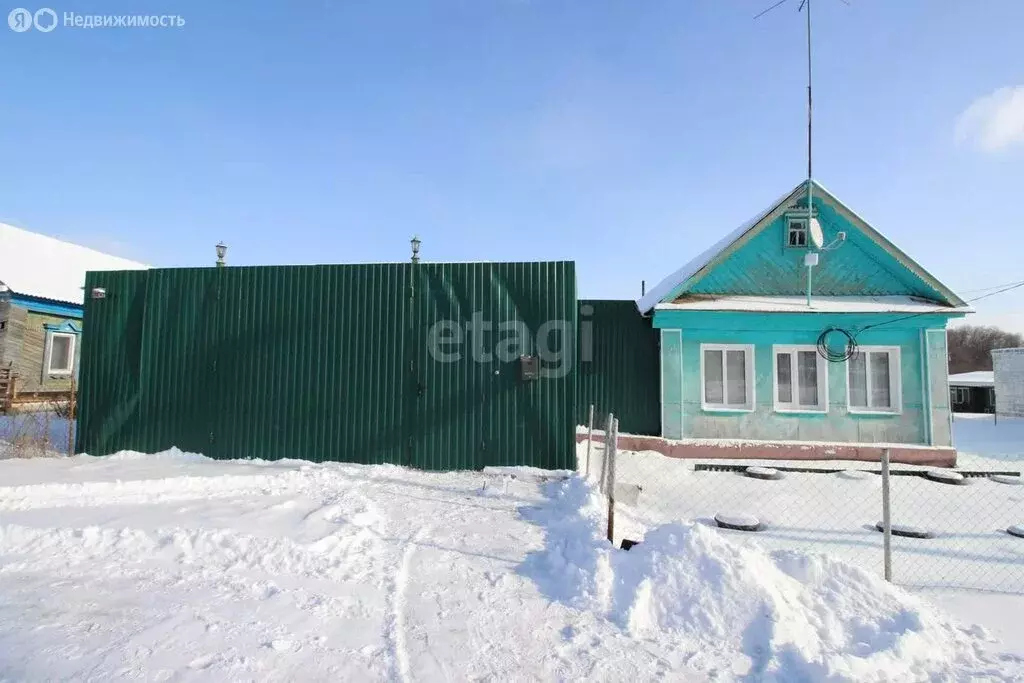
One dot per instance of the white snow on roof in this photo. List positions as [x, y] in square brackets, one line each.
[666, 286]
[819, 304]
[980, 378]
[45, 267]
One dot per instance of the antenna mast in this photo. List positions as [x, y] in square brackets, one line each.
[810, 102]
[806, 4]
[810, 117]
[811, 257]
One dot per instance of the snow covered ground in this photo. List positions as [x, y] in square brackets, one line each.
[987, 444]
[176, 567]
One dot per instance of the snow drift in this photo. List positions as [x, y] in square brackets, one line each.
[783, 615]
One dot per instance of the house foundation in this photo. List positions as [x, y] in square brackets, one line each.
[740, 449]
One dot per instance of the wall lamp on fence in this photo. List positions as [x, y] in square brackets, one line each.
[415, 242]
[98, 293]
[222, 250]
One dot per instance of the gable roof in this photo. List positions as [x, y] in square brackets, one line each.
[47, 268]
[669, 288]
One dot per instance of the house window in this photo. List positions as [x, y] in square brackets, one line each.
[727, 376]
[959, 395]
[60, 354]
[801, 379]
[796, 231]
[873, 380]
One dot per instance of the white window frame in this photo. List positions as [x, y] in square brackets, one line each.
[70, 370]
[748, 407]
[794, 405]
[790, 220]
[895, 383]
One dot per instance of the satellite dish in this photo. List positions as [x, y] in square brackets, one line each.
[815, 233]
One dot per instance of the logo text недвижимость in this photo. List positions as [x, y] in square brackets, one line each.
[45, 20]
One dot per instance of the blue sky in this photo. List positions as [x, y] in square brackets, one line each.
[624, 134]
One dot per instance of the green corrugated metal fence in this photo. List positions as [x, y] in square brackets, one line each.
[618, 369]
[412, 364]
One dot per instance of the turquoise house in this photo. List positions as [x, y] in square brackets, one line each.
[755, 333]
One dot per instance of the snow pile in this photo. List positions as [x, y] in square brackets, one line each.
[575, 565]
[797, 617]
[789, 616]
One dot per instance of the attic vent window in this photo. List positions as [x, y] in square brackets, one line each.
[796, 232]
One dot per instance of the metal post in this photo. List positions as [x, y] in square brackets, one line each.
[886, 517]
[810, 270]
[810, 111]
[590, 436]
[71, 418]
[611, 481]
[603, 481]
[810, 174]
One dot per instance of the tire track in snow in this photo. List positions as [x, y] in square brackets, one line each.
[401, 668]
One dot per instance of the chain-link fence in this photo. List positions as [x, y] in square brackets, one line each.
[47, 430]
[948, 529]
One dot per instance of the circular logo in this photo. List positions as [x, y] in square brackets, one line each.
[20, 19]
[45, 20]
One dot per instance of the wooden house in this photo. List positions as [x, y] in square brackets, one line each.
[755, 330]
[41, 296]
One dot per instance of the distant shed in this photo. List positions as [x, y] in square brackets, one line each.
[1008, 371]
[972, 392]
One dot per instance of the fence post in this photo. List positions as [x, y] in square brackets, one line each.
[603, 479]
[886, 518]
[71, 418]
[611, 481]
[590, 437]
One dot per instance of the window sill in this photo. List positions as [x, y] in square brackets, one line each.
[803, 411]
[874, 413]
[726, 409]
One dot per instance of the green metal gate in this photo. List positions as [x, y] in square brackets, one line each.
[407, 364]
[618, 366]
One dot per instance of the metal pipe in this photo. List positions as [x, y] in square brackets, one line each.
[590, 438]
[611, 480]
[810, 269]
[809, 101]
[886, 518]
[810, 174]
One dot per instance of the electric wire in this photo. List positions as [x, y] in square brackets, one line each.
[850, 348]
